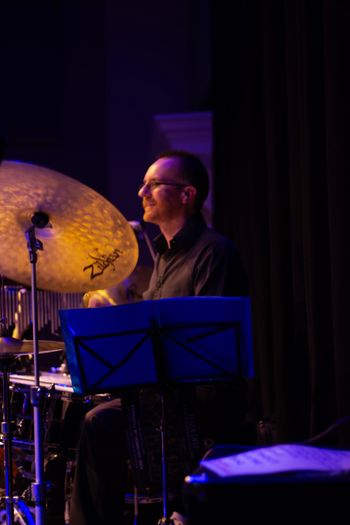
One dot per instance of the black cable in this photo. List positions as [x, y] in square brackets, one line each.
[325, 433]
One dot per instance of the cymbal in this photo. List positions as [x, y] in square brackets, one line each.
[87, 245]
[9, 345]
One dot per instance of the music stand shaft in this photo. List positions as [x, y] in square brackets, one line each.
[155, 333]
[163, 434]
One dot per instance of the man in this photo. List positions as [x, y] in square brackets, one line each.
[192, 260]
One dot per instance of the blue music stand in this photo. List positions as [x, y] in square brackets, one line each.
[192, 339]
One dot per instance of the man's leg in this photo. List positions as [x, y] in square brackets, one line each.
[99, 481]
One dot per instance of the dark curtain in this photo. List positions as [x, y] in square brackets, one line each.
[282, 170]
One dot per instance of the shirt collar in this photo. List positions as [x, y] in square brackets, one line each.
[185, 237]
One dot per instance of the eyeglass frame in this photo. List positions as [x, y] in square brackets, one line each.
[153, 184]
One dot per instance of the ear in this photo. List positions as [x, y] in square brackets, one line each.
[188, 194]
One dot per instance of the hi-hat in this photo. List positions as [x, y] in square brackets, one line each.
[11, 346]
[87, 245]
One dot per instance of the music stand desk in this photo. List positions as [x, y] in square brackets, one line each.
[192, 339]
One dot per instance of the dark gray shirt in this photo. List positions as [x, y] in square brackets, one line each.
[199, 261]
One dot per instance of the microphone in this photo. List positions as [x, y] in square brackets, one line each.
[137, 226]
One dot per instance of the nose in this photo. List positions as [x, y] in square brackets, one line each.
[144, 190]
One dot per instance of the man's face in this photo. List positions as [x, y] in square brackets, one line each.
[162, 203]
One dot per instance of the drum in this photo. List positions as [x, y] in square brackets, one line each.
[62, 416]
[62, 411]
[54, 401]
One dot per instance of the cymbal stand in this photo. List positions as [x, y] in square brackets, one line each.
[39, 220]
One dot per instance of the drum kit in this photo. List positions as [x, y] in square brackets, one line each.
[60, 236]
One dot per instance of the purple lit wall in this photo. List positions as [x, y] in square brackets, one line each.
[83, 80]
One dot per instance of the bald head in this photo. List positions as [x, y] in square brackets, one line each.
[189, 169]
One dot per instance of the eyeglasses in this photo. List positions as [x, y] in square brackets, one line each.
[154, 184]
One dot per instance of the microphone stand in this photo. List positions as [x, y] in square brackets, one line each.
[39, 220]
[139, 230]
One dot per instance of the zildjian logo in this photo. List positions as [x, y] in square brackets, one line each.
[102, 262]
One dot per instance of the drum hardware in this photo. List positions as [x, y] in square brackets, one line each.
[39, 220]
[6, 363]
[22, 514]
[10, 348]
[88, 246]
[62, 413]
